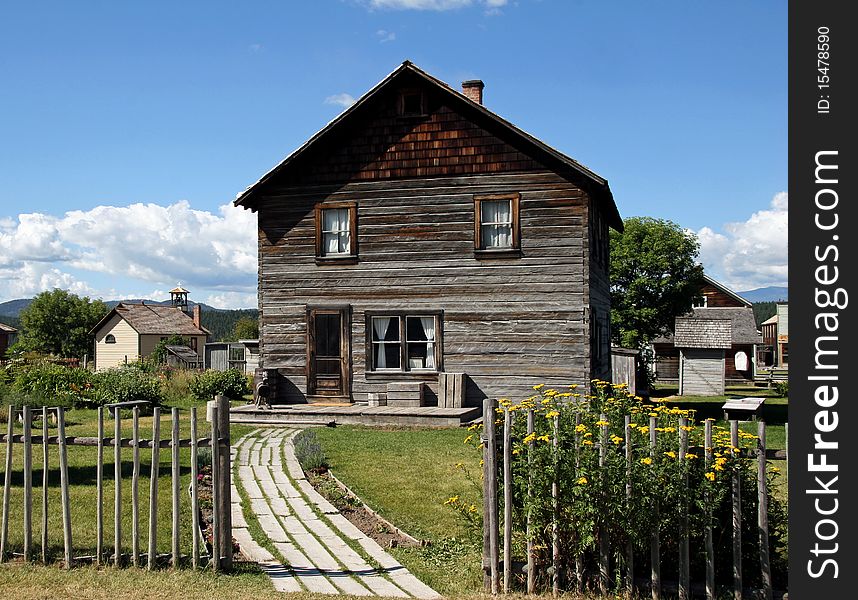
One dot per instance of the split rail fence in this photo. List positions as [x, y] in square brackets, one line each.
[218, 441]
[498, 564]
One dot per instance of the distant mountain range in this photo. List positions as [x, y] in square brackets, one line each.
[766, 294]
[13, 308]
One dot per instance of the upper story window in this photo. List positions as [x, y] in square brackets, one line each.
[110, 339]
[336, 231]
[496, 227]
[700, 302]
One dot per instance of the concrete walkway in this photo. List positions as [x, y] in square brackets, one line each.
[319, 549]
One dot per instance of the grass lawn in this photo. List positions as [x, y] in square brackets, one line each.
[90, 582]
[406, 475]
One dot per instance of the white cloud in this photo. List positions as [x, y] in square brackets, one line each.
[156, 245]
[385, 36]
[439, 5]
[344, 100]
[254, 48]
[231, 299]
[749, 254]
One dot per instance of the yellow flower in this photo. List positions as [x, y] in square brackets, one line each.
[468, 439]
[539, 386]
[670, 454]
[582, 481]
[516, 451]
[646, 461]
[552, 414]
[452, 500]
[460, 465]
[775, 470]
[687, 428]
[710, 475]
[544, 438]
[588, 434]
[602, 423]
[472, 508]
[587, 442]
[529, 438]
[580, 428]
[616, 439]
[691, 455]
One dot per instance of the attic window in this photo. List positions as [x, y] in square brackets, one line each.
[700, 302]
[411, 103]
[109, 339]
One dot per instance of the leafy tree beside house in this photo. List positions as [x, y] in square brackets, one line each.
[58, 322]
[654, 278]
[246, 328]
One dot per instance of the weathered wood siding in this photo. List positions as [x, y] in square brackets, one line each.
[701, 372]
[599, 292]
[126, 348]
[508, 323]
[716, 298]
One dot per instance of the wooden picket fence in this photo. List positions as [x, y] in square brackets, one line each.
[499, 569]
[218, 441]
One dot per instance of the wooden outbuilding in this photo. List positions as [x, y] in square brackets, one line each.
[421, 234]
[701, 344]
[716, 301]
[8, 335]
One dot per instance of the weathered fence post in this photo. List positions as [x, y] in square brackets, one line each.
[174, 457]
[507, 499]
[555, 508]
[99, 489]
[7, 484]
[195, 515]
[216, 504]
[135, 487]
[654, 543]
[117, 489]
[531, 562]
[710, 547]
[153, 489]
[737, 515]
[64, 487]
[604, 550]
[27, 415]
[630, 554]
[684, 550]
[44, 484]
[490, 497]
[763, 511]
[225, 479]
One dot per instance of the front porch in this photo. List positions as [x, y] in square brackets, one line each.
[354, 414]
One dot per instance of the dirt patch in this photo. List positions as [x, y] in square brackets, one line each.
[354, 510]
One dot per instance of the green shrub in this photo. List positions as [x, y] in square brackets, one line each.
[50, 384]
[309, 451]
[782, 388]
[231, 383]
[125, 384]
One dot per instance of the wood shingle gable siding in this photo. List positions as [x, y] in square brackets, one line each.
[507, 320]
[703, 333]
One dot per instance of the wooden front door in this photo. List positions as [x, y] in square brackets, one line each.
[328, 353]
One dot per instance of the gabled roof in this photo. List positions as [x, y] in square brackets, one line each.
[526, 143]
[770, 321]
[726, 290]
[154, 319]
[7, 328]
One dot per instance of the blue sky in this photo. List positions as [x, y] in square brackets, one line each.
[126, 128]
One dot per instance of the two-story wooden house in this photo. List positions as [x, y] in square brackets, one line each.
[420, 233]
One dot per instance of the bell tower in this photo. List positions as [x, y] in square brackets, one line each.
[179, 298]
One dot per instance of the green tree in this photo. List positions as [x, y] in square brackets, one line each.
[654, 277]
[246, 328]
[59, 323]
[159, 352]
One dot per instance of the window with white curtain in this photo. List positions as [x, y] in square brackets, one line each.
[404, 342]
[336, 223]
[335, 231]
[496, 224]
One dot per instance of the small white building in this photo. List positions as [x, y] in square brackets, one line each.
[130, 332]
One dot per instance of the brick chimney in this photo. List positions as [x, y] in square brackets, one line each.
[473, 89]
[196, 316]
